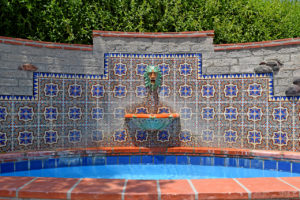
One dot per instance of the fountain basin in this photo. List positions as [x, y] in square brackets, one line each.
[152, 122]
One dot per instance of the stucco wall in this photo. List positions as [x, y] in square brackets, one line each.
[89, 59]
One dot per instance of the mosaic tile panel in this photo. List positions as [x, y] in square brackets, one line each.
[78, 110]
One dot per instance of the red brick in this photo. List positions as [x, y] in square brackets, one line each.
[53, 47]
[12, 42]
[33, 45]
[71, 48]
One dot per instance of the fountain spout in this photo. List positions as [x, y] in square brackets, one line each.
[152, 121]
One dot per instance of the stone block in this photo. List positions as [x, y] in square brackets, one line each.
[283, 81]
[285, 73]
[225, 62]
[263, 52]
[217, 70]
[25, 82]
[4, 90]
[295, 58]
[281, 57]
[242, 68]
[8, 82]
[239, 53]
[15, 74]
[250, 60]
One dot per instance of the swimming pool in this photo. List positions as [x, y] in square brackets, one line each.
[151, 172]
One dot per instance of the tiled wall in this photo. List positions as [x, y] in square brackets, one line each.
[72, 111]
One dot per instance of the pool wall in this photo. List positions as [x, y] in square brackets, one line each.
[191, 189]
[259, 159]
[87, 110]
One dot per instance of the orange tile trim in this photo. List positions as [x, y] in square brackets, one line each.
[204, 151]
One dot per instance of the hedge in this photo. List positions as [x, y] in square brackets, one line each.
[72, 21]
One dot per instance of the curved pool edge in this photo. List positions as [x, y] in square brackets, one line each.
[86, 188]
[205, 151]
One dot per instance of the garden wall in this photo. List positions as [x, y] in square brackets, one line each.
[80, 97]
[89, 59]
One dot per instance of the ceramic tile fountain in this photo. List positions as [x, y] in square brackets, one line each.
[72, 110]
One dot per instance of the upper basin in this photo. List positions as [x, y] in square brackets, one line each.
[152, 122]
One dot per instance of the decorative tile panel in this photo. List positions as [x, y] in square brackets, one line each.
[79, 110]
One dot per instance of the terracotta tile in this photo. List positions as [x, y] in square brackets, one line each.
[291, 155]
[108, 189]
[295, 181]
[48, 188]
[9, 185]
[176, 190]
[263, 153]
[181, 149]
[126, 150]
[262, 188]
[141, 190]
[219, 189]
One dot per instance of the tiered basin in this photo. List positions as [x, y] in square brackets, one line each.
[152, 122]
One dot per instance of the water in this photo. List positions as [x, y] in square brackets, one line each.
[144, 172]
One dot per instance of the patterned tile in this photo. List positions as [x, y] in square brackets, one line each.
[51, 89]
[74, 90]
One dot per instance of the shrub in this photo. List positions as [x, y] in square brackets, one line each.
[72, 21]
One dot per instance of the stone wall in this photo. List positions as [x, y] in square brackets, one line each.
[89, 59]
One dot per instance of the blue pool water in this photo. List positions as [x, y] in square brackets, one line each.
[144, 172]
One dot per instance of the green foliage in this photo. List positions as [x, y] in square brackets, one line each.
[72, 21]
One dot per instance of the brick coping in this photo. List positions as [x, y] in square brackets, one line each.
[203, 151]
[106, 189]
[162, 35]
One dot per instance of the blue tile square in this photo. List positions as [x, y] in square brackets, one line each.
[219, 161]
[22, 166]
[123, 160]
[75, 161]
[49, 163]
[87, 161]
[231, 162]
[194, 160]
[135, 160]
[7, 167]
[159, 159]
[296, 167]
[101, 161]
[245, 163]
[270, 164]
[36, 164]
[206, 160]
[182, 160]
[171, 160]
[111, 160]
[147, 159]
[62, 162]
[257, 164]
[284, 166]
